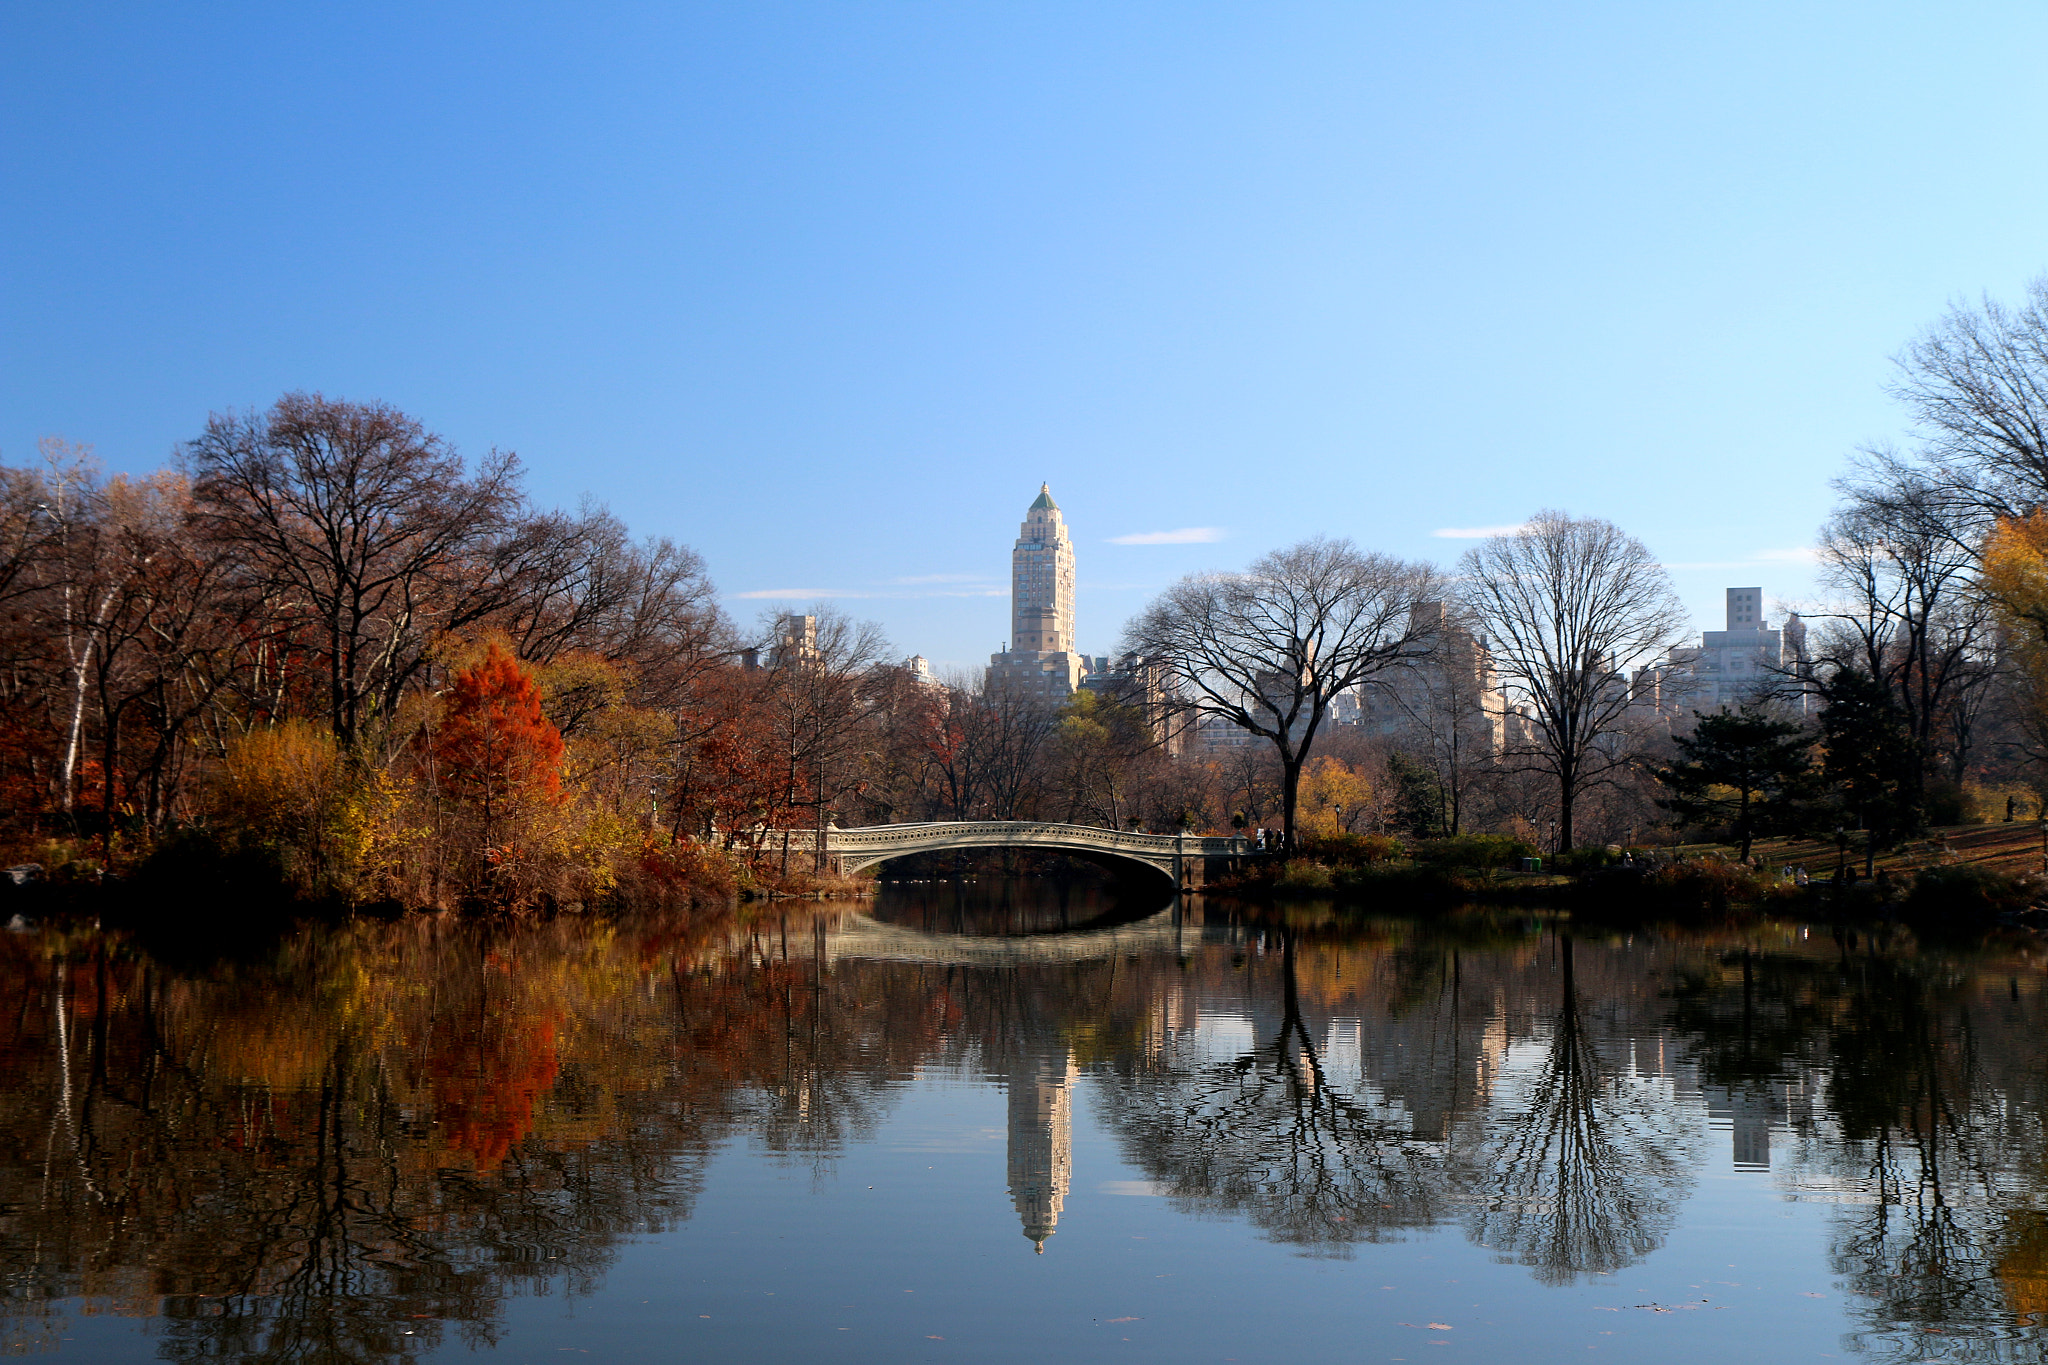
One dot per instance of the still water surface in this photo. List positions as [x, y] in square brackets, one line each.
[1001, 1122]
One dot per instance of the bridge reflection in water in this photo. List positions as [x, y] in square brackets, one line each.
[1040, 1074]
[864, 938]
[1041, 1071]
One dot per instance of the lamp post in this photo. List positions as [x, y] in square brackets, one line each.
[1841, 853]
[2042, 821]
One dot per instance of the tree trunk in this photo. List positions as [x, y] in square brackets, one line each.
[1567, 793]
[68, 770]
[1290, 793]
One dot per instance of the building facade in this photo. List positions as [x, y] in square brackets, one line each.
[1041, 1134]
[1041, 660]
[1744, 663]
[1148, 686]
[794, 644]
[1446, 693]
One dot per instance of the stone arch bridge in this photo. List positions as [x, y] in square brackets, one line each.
[859, 937]
[1187, 860]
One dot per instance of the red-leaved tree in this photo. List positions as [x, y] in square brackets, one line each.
[495, 746]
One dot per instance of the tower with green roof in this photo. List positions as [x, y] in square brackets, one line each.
[1041, 657]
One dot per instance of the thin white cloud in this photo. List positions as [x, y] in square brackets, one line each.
[1476, 532]
[1803, 554]
[797, 594]
[1186, 535]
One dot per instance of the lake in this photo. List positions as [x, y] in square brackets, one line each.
[1021, 1121]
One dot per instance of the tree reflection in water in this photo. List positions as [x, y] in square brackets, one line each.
[1572, 1166]
[1582, 1161]
[1269, 1134]
[393, 1127]
[374, 1139]
[1934, 1151]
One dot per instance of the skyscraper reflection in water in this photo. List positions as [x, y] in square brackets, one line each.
[1041, 1084]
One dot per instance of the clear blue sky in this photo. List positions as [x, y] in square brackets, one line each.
[826, 290]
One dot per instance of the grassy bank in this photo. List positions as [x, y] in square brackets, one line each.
[1960, 879]
[198, 876]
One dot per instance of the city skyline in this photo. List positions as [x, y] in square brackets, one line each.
[1043, 654]
[764, 281]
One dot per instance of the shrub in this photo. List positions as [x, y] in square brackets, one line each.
[1590, 858]
[1964, 897]
[1298, 875]
[1352, 850]
[1480, 852]
[1946, 803]
[1690, 888]
[680, 871]
[278, 784]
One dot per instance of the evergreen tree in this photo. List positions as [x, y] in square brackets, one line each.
[1419, 799]
[1743, 769]
[1870, 758]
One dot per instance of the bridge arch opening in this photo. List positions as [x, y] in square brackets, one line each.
[1178, 859]
[1015, 907]
[1080, 866]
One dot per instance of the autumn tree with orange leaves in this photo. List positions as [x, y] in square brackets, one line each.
[495, 747]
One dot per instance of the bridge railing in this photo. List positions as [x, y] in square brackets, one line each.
[1032, 831]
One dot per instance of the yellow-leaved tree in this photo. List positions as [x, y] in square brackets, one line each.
[1335, 799]
[2014, 572]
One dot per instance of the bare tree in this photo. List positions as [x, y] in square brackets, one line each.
[818, 701]
[81, 582]
[585, 585]
[1270, 649]
[984, 747]
[1569, 604]
[362, 528]
[1976, 383]
[1907, 614]
[1441, 700]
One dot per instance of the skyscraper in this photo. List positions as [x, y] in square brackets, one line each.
[1732, 666]
[1041, 658]
[1041, 1094]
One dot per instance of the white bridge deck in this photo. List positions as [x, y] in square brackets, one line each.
[1182, 857]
